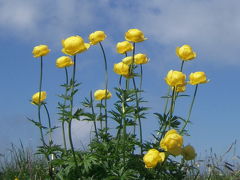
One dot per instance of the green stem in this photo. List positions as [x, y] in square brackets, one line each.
[71, 111]
[49, 122]
[106, 85]
[190, 110]
[64, 103]
[167, 99]
[94, 122]
[182, 66]
[171, 107]
[40, 104]
[100, 109]
[139, 119]
[141, 77]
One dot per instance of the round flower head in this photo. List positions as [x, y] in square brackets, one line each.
[175, 78]
[172, 142]
[185, 53]
[141, 59]
[36, 96]
[153, 157]
[40, 50]
[127, 60]
[102, 94]
[134, 35]
[96, 37]
[123, 47]
[121, 69]
[64, 61]
[74, 45]
[197, 78]
[188, 153]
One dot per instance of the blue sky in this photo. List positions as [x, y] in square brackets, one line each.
[211, 27]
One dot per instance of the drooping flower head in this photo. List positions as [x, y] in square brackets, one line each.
[64, 61]
[96, 37]
[172, 142]
[153, 157]
[134, 35]
[74, 45]
[197, 78]
[35, 97]
[41, 50]
[123, 47]
[185, 53]
[102, 94]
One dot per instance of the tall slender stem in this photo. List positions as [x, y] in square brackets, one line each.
[182, 66]
[167, 99]
[106, 85]
[64, 103]
[139, 119]
[141, 78]
[100, 109]
[190, 109]
[39, 104]
[71, 110]
[49, 122]
[94, 122]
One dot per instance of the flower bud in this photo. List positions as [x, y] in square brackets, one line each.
[197, 78]
[134, 35]
[185, 53]
[64, 61]
[102, 94]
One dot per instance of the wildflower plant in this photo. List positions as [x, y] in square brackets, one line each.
[121, 154]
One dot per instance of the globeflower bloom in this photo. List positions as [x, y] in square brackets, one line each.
[123, 47]
[74, 45]
[188, 153]
[141, 59]
[180, 88]
[197, 78]
[64, 61]
[175, 78]
[40, 50]
[153, 157]
[128, 60]
[134, 35]
[121, 69]
[97, 37]
[185, 53]
[35, 97]
[102, 94]
[172, 142]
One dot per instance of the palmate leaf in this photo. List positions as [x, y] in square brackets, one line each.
[38, 124]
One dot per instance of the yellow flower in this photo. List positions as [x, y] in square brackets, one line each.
[153, 157]
[127, 60]
[40, 50]
[197, 78]
[35, 97]
[134, 35]
[185, 53]
[175, 78]
[180, 88]
[101, 94]
[121, 69]
[123, 47]
[16, 178]
[96, 37]
[64, 61]
[188, 153]
[172, 142]
[74, 45]
[141, 59]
